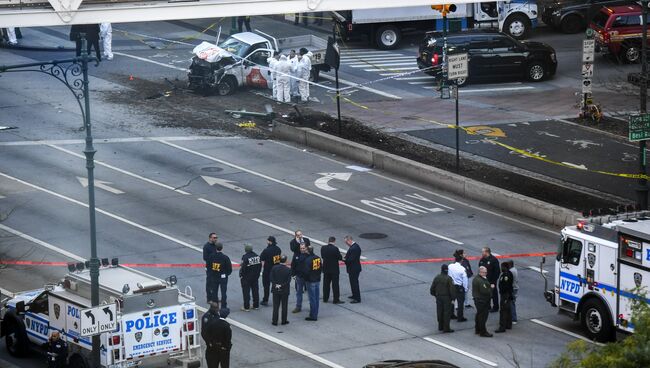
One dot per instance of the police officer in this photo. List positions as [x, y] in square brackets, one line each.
[249, 273]
[443, 289]
[331, 257]
[270, 257]
[505, 291]
[57, 351]
[217, 335]
[298, 271]
[491, 263]
[208, 249]
[312, 270]
[280, 285]
[220, 269]
[482, 292]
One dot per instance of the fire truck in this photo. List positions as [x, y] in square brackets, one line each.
[602, 265]
[153, 320]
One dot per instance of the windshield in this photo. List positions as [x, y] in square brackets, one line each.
[235, 46]
[600, 19]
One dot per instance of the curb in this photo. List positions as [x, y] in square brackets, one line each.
[34, 48]
[467, 188]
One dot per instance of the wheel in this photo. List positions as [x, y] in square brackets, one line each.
[226, 87]
[388, 37]
[16, 339]
[536, 71]
[517, 26]
[77, 361]
[460, 82]
[596, 321]
[631, 53]
[572, 24]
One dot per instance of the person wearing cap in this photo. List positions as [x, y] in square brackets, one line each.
[220, 269]
[312, 270]
[280, 283]
[57, 351]
[217, 335]
[270, 257]
[443, 289]
[249, 274]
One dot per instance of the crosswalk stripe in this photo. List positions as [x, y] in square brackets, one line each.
[360, 58]
[365, 65]
[395, 71]
[416, 78]
[374, 53]
[422, 82]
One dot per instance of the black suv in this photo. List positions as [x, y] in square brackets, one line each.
[491, 54]
[572, 16]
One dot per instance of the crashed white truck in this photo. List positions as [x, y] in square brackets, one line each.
[241, 61]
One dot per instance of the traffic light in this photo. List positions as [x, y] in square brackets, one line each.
[444, 9]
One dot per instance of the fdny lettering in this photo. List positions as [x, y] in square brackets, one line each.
[216, 266]
[38, 327]
[570, 286]
[315, 264]
[254, 261]
[276, 259]
[150, 322]
[74, 312]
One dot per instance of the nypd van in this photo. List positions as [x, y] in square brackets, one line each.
[154, 319]
[601, 266]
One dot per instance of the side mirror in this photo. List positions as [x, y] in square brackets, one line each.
[20, 307]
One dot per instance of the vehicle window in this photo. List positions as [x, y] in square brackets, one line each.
[572, 251]
[618, 22]
[259, 58]
[479, 43]
[633, 20]
[501, 42]
[235, 47]
[490, 9]
[39, 305]
[600, 19]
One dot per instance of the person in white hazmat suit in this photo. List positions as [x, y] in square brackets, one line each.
[11, 36]
[282, 76]
[273, 62]
[293, 60]
[106, 33]
[304, 70]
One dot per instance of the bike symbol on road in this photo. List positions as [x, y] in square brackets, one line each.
[583, 143]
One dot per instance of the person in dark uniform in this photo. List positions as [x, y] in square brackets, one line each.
[312, 271]
[280, 284]
[91, 32]
[220, 269]
[249, 274]
[297, 241]
[482, 292]
[352, 261]
[244, 20]
[298, 271]
[505, 291]
[57, 351]
[491, 263]
[331, 256]
[217, 334]
[443, 290]
[270, 257]
[209, 248]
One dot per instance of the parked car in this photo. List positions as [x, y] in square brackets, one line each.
[572, 16]
[618, 32]
[491, 54]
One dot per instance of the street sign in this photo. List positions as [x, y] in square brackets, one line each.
[95, 321]
[588, 47]
[587, 70]
[457, 66]
[639, 127]
[586, 85]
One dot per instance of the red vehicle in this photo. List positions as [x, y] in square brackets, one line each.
[618, 31]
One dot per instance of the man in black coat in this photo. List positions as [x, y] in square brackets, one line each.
[331, 256]
[352, 261]
[270, 257]
[91, 32]
[208, 249]
[280, 284]
[298, 271]
[312, 269]
[220, 269]
[297, 241]
[217, 335]
[491, 263]
[505, 290]
[249, 274]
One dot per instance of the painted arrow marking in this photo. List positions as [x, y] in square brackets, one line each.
[224, 183]
[581, 167]
[101, 185]
[323, 182]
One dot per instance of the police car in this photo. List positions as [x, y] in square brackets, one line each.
[153, 319]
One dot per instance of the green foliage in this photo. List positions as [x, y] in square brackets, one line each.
[631, 352]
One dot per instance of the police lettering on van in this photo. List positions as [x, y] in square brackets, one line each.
[151, 322]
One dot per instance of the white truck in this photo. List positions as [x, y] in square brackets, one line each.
[599, 265]
[154, 320]
[385, 27]
[241, 61]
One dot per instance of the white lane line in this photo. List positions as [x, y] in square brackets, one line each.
[151, 181]
[417, 78]
[111, 140]
[6, 292]
[312, 193]
[387, 63]
[536, 269]
[383, 67]
[292, 233]
[422, 82]
[462, 352]
[41, 243]
[347, 61]
[220, 206]
[499, 89]
[558, 329]
[445, 197]
[109, 214]
[150, 61]
[356, 85]
[345, 52]
[400, 69]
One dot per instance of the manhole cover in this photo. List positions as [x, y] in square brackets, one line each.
[211, 169]
[373, 236]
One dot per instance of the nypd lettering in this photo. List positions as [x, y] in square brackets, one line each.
[37, 326]
[569, 286]
[150, 322]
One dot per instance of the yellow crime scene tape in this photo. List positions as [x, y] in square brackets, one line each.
[167, 43]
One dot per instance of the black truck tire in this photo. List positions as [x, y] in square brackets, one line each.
[77, 361]
[517, 26]
[631, 52]
[572, 24]
[227, 86]
[15, 336]
[596, 321]
[388, 37]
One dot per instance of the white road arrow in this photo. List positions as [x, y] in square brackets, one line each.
[224, 183]
[581, 167]
[323, 183]
[101, 185]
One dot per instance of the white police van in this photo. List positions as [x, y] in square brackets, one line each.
[599, 265]
[154, 319]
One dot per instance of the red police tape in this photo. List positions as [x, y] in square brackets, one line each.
[202, 265]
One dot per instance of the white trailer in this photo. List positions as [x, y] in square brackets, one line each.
[600, 264]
